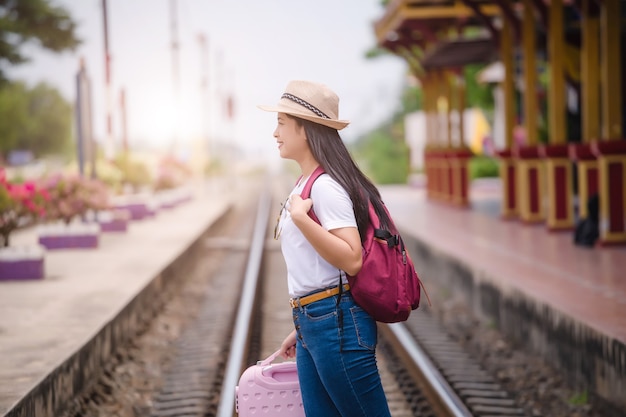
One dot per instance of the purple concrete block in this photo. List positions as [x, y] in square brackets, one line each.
[69, 242]
[151, 211]
[115, 225]
[21, 269]
[137, 211]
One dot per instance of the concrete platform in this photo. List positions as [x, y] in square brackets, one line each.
[562, 301]
[55, 332]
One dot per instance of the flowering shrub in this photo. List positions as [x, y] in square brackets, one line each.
[106, 171]
[72, 196]
[166, 180]
[19, 203]
[171, 174]
[135, 174]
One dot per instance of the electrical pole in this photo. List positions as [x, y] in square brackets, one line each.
[219, 87]
[204, 86]
[109, 145]
[175, 73]
[123, 121]
[84, 133]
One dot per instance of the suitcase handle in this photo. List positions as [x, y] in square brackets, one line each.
[269, 359]
[281, 372]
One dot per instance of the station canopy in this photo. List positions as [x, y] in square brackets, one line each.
[410, 24]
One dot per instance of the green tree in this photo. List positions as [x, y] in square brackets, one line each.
[37, 119]
[477, 94]
[13, 115]
[50, 122]
[383, 155]
[33, 21]
[412, 100]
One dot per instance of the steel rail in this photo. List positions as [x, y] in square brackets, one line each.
[240, 339]
[407, 347]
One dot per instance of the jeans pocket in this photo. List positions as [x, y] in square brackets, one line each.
[365, 327]
[320, 310]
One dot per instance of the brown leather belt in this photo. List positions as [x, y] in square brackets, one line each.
[308, 299]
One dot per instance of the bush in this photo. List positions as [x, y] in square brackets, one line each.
[483, 167]
[18, 202]
[134, 174]
[172, 173]
[73, 196]
[383, 158]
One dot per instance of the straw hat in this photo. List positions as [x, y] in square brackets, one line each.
[311, 101]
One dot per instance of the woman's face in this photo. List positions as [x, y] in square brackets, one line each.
[290, 137]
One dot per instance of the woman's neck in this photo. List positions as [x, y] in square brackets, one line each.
[307, 167]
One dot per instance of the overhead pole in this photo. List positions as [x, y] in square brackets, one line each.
[124, 124]
[219, 90]
[175, 72]
[109, 145]
[204, 88]
[84, 130]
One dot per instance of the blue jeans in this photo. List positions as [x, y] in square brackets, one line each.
[337, 363]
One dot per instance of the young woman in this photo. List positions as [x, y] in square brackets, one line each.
[334, 340]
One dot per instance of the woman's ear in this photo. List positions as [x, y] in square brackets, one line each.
[301, 127]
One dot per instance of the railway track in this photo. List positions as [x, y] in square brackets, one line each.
[236, 314]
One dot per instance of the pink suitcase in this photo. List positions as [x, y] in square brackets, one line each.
[270, 390]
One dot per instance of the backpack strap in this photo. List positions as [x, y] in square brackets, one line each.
[306, 191]
[392, 240]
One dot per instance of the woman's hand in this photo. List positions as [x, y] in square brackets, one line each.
[298, 207]
[288, 347]
[339, 247]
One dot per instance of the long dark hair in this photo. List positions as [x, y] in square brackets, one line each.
[329, 150]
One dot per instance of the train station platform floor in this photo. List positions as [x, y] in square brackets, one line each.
[564, 301]
[54, 331]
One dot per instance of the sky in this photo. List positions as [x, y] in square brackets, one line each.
[253, 49]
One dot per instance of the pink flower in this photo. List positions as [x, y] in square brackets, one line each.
[17, 201]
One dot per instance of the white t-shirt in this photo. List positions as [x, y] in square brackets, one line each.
[306, 270]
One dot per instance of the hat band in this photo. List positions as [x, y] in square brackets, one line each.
[306, 104]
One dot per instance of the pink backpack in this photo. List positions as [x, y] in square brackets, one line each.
[387, 286]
